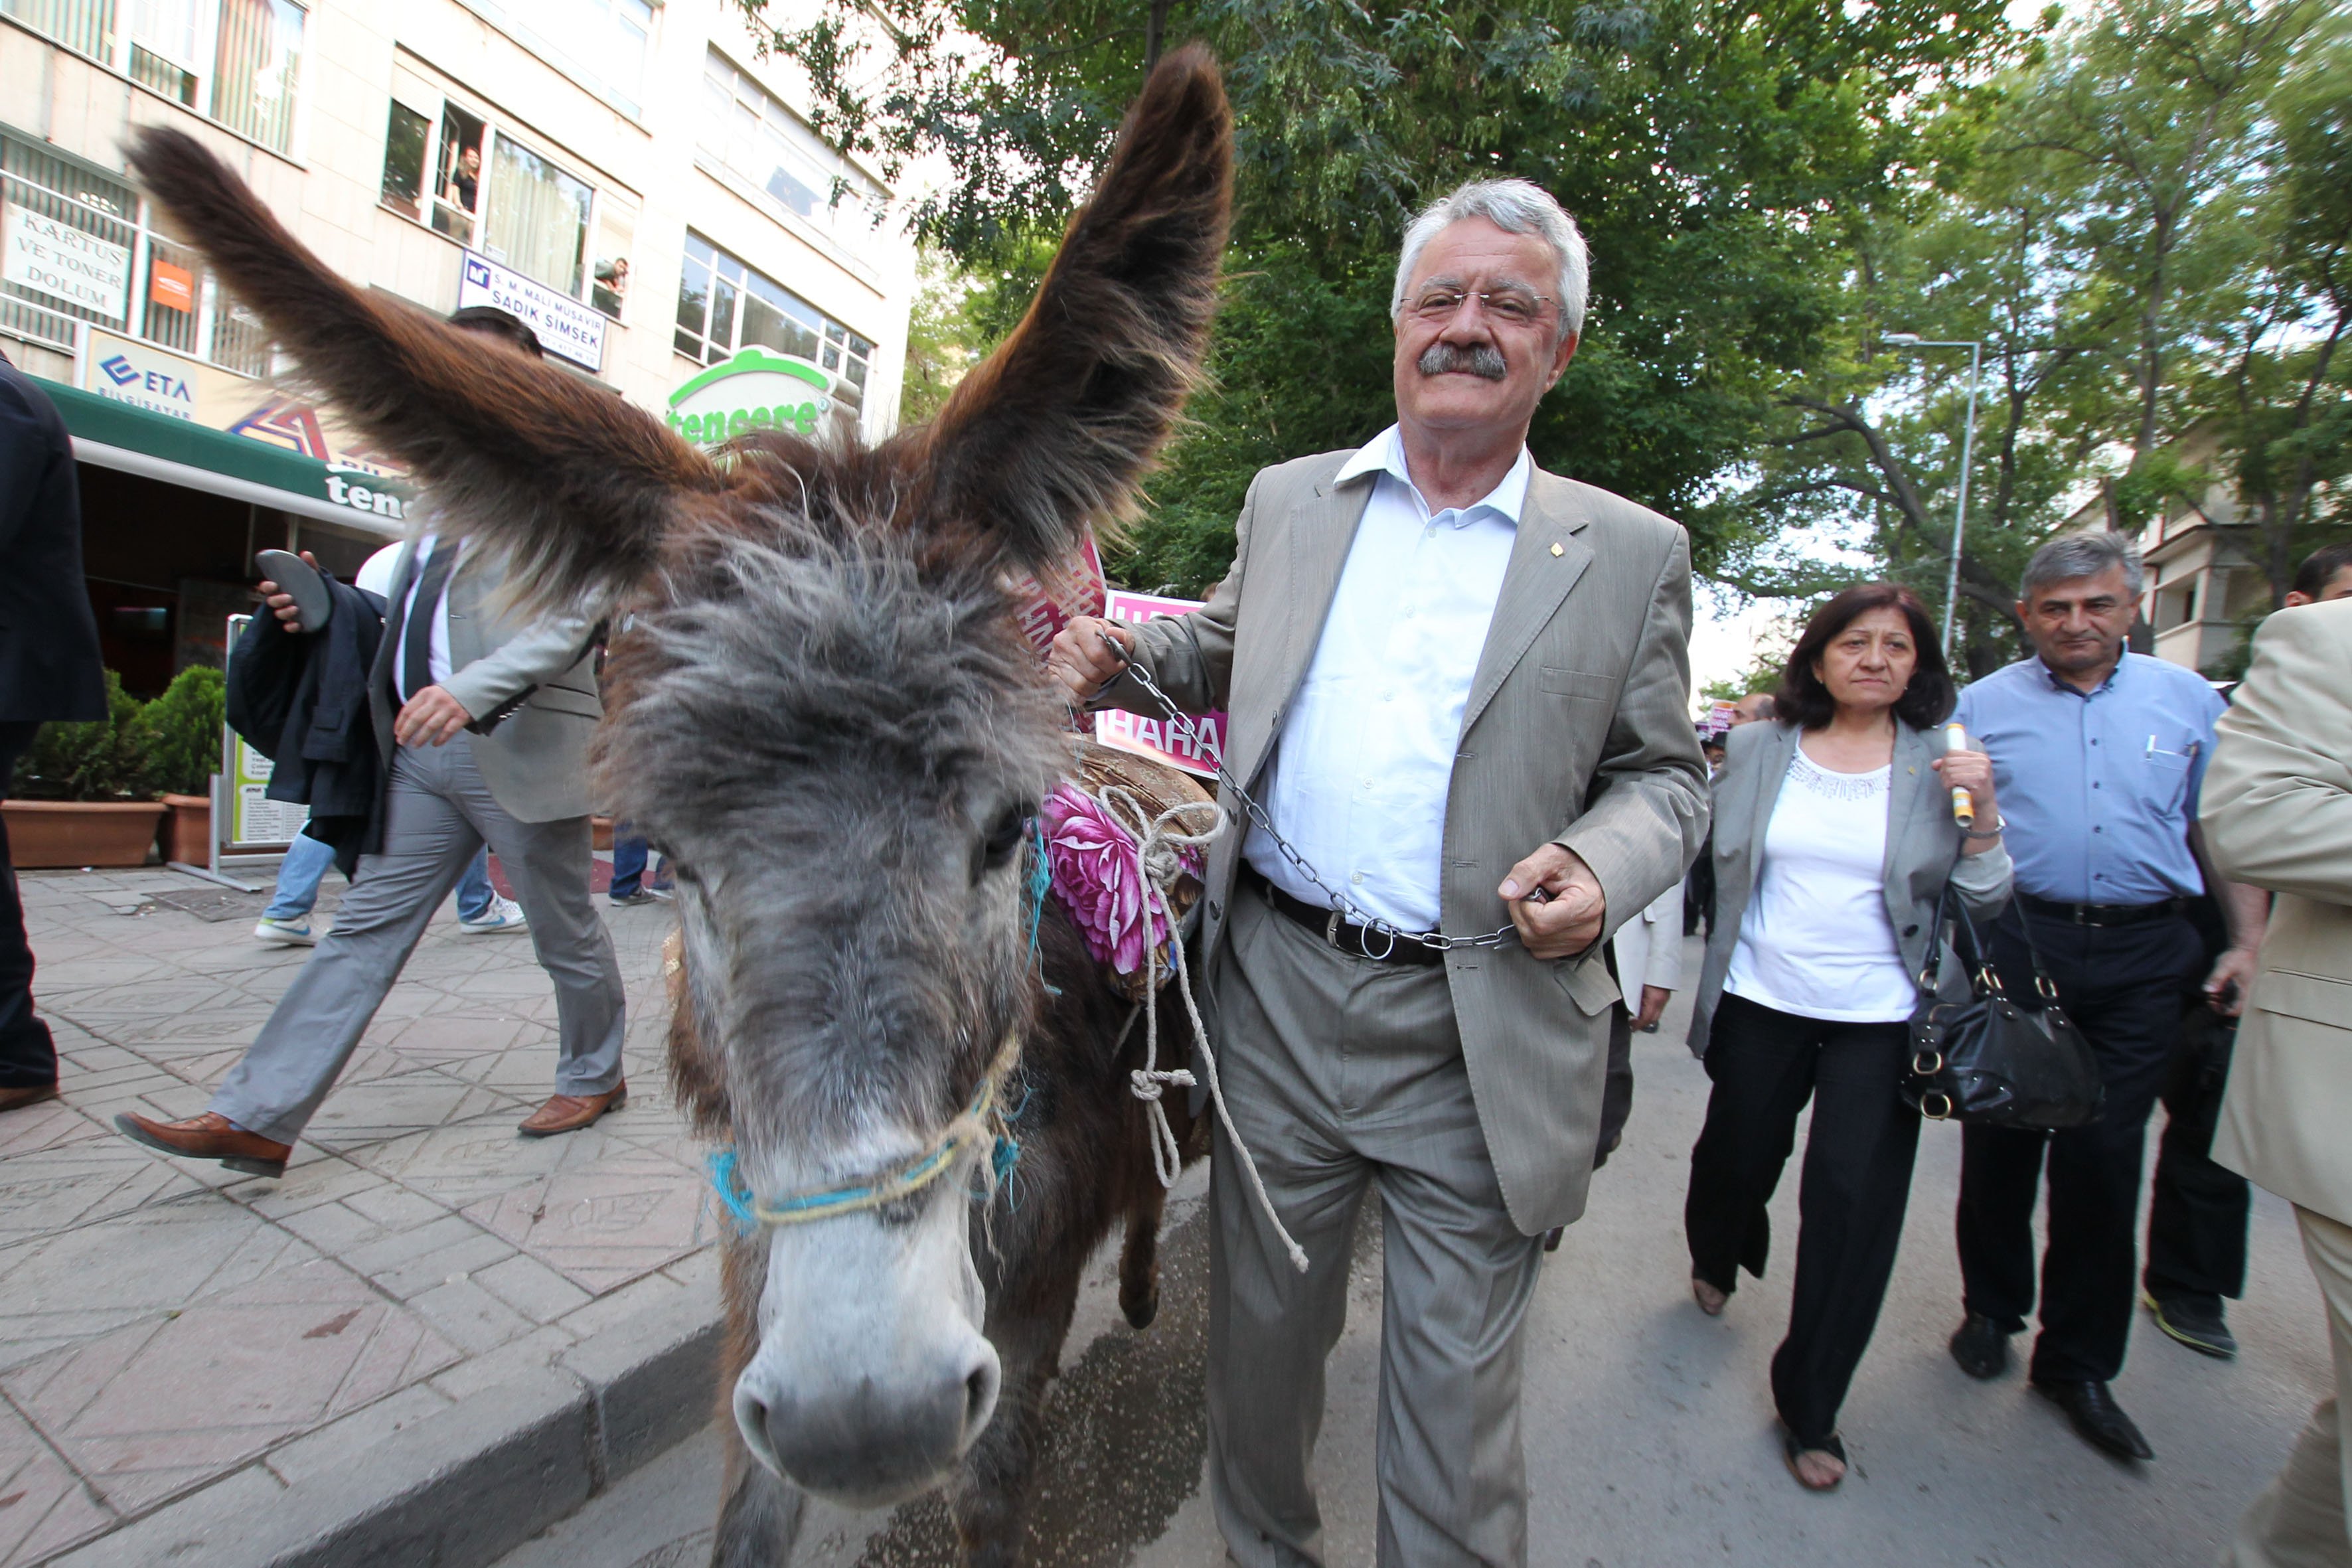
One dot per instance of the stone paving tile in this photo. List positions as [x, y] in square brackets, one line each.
[44, 1506]
[146, 1411]
[164, 1322]
[76, 1285]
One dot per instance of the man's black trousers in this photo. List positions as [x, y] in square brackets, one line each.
[28, 1058]
[2122, 987]
[1857, 1183]
[2197, 1210]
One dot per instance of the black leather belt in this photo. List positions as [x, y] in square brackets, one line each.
[1348, 938]
[2102, 914]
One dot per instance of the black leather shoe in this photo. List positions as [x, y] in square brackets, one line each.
[2194, 1322]
[1981, 1347]
[2097, 1416]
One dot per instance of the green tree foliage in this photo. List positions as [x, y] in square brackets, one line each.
[2143, 221]
[1721, 158]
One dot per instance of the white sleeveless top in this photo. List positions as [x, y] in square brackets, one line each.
[1816, 939]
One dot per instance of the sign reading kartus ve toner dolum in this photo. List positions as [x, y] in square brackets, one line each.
[756, 390]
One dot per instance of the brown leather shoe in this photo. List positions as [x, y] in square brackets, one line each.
[30, 1094]
[571, 1112]
[210, 1136]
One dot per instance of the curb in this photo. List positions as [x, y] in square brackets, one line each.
[466, 1485]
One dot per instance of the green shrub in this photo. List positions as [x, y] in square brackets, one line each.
[99, 760]
[179, 733]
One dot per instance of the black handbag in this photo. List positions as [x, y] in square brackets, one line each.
[1989, 1061]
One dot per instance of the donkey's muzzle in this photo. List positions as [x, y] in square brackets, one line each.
[867, 1445]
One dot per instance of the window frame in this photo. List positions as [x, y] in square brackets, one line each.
[410, 95]
[837, 341]
[216, 316]
[120, 53]
[847, 226]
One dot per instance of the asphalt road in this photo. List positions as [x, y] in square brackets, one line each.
[1649, 1427]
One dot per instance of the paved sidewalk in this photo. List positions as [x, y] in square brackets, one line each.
[167, 1327]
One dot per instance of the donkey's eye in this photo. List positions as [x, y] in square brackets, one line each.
[1004, 836]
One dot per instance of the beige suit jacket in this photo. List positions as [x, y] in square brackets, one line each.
[531, 686]
[1577, 730]
[2277, 810]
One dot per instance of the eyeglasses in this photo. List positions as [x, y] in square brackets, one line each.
[1515, 306]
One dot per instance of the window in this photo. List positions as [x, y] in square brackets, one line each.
[600, 44]
[261, 52]
[467, 177]
[754, 136]
[239, 60]
[129, 276]
[724, 306]
[538, 222]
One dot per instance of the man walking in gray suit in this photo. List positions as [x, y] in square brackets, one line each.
[483, 723]
[1459, 685]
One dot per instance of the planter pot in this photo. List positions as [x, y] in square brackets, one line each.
[62, 833]
[187, 834]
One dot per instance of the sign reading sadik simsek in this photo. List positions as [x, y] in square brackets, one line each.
[756, 390]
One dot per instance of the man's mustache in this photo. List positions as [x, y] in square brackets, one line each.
[1482, 360]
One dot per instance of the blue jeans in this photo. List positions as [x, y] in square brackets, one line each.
[306, 864]
[630, 855]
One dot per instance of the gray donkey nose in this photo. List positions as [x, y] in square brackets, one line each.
[871, 1443]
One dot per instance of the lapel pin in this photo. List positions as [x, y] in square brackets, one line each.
[1556, 550]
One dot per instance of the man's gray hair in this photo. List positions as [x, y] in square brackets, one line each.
[2070, 557]
[1514, 206]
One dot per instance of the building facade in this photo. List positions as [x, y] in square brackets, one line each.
[629, 178]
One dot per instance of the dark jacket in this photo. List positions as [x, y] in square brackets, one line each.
[49, 664]
[301, 700]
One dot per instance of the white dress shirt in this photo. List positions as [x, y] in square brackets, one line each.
[375, 576]
[1366, 756]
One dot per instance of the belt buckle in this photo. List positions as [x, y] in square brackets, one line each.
[1331, 932]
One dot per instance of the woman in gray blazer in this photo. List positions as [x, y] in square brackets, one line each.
[1834, 835]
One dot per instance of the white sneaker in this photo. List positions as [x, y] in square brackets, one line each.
[285, 934]
[504, 914]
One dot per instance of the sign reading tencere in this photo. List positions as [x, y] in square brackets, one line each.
[758, 389]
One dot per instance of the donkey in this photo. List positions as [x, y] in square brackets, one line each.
[823, 712]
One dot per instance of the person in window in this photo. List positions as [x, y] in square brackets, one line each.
[611, 290]
[1834, 841]
[466, 179]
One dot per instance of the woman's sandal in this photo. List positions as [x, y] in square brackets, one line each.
[1792, 1446]
[1710, 1300]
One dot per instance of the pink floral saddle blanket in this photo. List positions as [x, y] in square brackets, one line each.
[1124, 869]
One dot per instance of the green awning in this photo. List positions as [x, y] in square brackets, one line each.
[112, 435]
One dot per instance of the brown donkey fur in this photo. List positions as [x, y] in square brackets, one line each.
[823, 712]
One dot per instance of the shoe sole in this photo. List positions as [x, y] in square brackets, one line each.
[465, 930]
[2202, 1347]
[241, 1163]
[575, 1127]
[285, 939]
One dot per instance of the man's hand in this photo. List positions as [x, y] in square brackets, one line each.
[1568, 919]
[2232, 977]
[1080, 659]
[281, 604]
[1654, 1006]
[431, 718]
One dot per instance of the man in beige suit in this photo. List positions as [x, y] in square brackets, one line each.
[2277, 812]
[1459, 686]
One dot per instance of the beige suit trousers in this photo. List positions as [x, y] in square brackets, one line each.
[1343, 1074]
[2299, 1521]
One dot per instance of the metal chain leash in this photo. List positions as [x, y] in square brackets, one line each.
[1342, 906]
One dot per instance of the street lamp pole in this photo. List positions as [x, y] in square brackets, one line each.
[1968, 453]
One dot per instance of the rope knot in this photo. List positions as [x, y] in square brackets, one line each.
[1149, 1085]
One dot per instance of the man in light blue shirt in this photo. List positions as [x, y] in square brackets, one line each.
[2098, 754]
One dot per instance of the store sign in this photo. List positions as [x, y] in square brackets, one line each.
[758, 389]
[127, 371]
[1199, 752]
[564, 325]
[56, 259]
[173, 288]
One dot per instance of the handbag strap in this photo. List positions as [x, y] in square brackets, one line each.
[1973, 954]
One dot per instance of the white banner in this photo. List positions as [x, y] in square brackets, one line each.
[67, 263]
[564, 325]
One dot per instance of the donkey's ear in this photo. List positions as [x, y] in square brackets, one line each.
[1055, 429]
[576, 484]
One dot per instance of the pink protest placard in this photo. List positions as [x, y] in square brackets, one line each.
[1150, 735]
[1077, 589]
